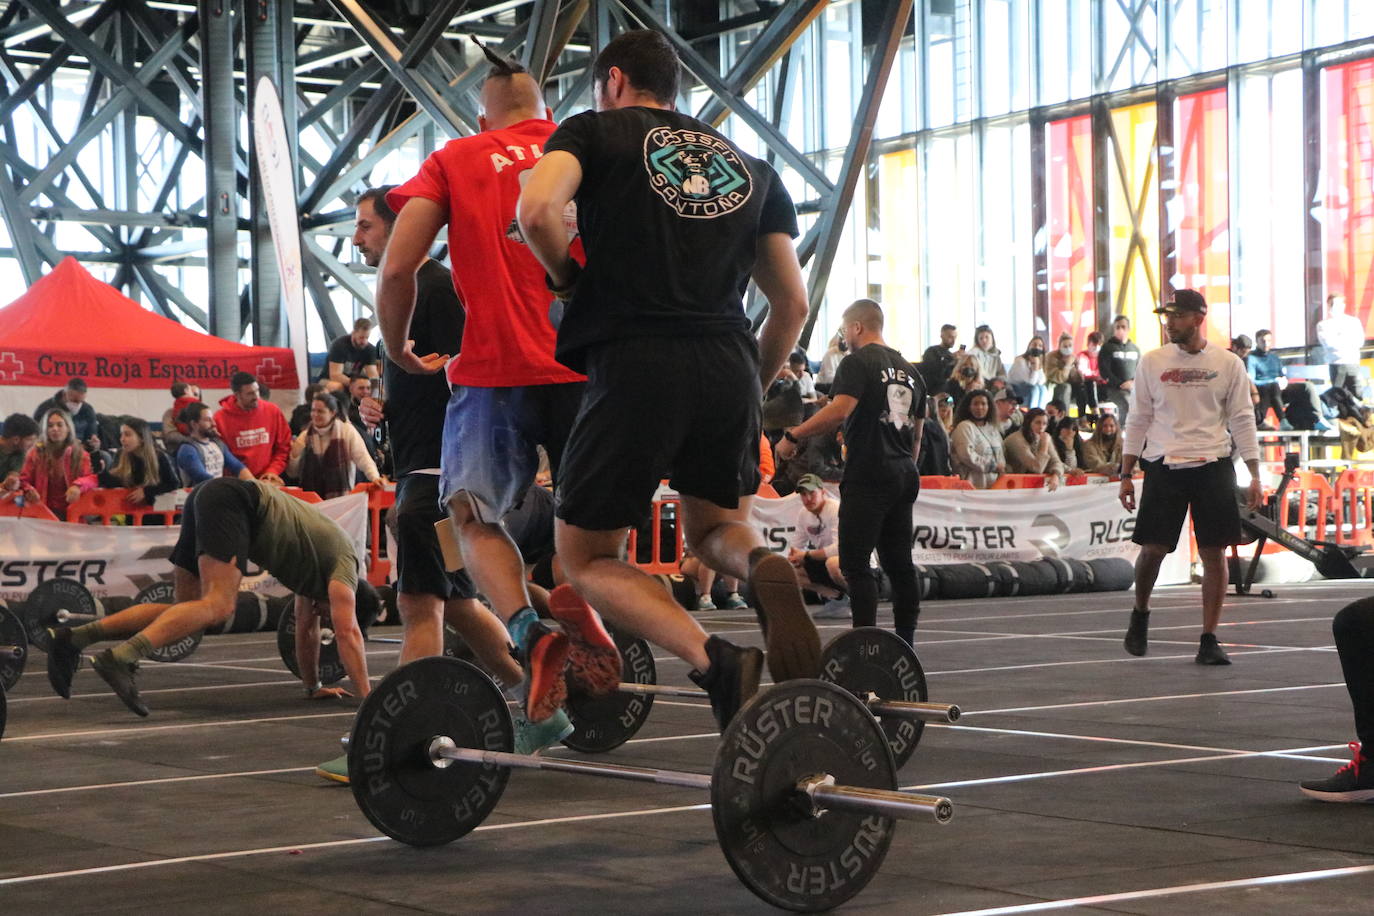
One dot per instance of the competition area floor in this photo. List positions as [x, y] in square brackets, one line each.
[1080, 777]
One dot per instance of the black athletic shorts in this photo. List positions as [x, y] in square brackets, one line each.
[220, 519]
[684, 408]
[1168, 494]
[817, 574]
[419, 563]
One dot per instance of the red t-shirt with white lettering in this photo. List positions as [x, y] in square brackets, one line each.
[508, 340]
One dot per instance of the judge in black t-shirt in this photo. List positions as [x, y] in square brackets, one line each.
[350, 356]
[674, 219]
[881, 401]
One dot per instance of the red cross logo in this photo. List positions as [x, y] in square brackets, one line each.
[269, 368]
[10, 367]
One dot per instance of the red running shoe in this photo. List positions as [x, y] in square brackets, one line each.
[544, 662]
[594, 664]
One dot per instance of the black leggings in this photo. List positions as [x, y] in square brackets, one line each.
[880, 517]
[1269, 396]
[1354, 632]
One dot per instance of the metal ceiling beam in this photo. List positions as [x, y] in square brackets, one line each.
[221, 177]
[763, 52]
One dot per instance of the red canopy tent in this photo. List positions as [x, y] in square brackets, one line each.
[70, 324]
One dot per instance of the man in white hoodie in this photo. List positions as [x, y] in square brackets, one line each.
[1191, 401]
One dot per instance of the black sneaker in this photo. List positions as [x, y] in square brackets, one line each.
[1137, 632]
[1210, 652]
[794, 646]
[1349, 784]
[732, 678]
[120, 677]
[63, 661]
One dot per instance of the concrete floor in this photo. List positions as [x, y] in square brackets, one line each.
[1081, 777]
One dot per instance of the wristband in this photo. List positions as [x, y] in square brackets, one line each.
[310, 691]
[566, 290]
[787, 434]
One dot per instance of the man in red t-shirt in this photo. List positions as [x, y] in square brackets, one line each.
[510, 395]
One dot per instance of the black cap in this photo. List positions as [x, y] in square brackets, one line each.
[1185, 300]
[76, 384]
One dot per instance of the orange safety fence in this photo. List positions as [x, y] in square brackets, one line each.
[106, 504]
[378, 500]
[1309, 495]
[664, 554]
[11, 507]
[1019, 482]
[1353, 505]
[945, 483]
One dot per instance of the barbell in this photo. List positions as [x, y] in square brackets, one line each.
[803, 790]
[874, 664]
[14, 649]
[66, 602]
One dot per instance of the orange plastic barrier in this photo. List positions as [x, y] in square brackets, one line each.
[1310, 489]
[10, 508]
[658, 562]
[378, 567]
[945, 483]
[1019, 482]
[105, 504]
[1353, 502]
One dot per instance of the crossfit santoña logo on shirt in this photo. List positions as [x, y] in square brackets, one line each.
[1187, 376]
[698, 174]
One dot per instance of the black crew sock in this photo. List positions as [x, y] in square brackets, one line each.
[907, 635]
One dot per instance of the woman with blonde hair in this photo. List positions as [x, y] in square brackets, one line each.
[966, 376]
[141, 467]
[325, 453]
[57, 470]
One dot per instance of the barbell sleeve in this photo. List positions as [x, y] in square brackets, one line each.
[901, 709]
[66, 616]
[12, 651]
[825, 795]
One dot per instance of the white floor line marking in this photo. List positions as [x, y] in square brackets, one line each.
[1123, 659]
[1136, 742]
[142, 692]
[334, 844]
[1296, 877]
[156, 782]
[150, 729]
[1154, 699]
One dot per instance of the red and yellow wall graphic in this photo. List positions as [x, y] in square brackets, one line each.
[1348, 186]
[1069, 221]
[1198, 212]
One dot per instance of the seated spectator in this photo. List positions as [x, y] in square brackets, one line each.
[1008, 408]
[1030, 450]
[1027, 375]
[300, 414]
[1102, 451]
[1266, 374]
[933, 458]
[204, 456]
[814, 548]
[1241, 345]
[173, 434]
[835, 351]
[72, 401]
[1061, 371]
[57, 470]
[141, 467]
[360, 387]
[1055, 411]
[1090, 384]
[976, 445]
[351, 354]
[944, 411]
[1068, 444]
[254, 429]
[819, 455]
[1357, 432]
[17, 436]
[985, 351]
[937, 362]
[324, 454]
[966, 376]
[796, 364]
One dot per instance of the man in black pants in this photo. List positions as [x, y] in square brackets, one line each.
[881, 400]
[1354, 632]
[674, 219]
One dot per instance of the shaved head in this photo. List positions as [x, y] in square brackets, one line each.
[867, 313]
[510, 98]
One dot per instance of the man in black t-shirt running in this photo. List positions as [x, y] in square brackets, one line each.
[881, 401]
[674, 219]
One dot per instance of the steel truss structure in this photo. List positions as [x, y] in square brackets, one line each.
[136, 150]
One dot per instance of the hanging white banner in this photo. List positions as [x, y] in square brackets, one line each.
[118, 560]
[974, 526]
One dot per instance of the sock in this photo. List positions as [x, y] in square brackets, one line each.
[1145, 611]
[519, 626]
[1208, 638]
[83, 636]
[133, 651]
[907, 634]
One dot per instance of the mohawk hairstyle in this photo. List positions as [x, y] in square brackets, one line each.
[500, 66]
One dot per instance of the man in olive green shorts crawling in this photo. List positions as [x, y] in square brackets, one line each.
[227, 523]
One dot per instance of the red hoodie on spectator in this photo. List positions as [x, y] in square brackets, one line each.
[260, 437]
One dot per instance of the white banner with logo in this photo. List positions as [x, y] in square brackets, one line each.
[974, 526]
[118, 560]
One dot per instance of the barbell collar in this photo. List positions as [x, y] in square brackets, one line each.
[826, 796]
[11, 651]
